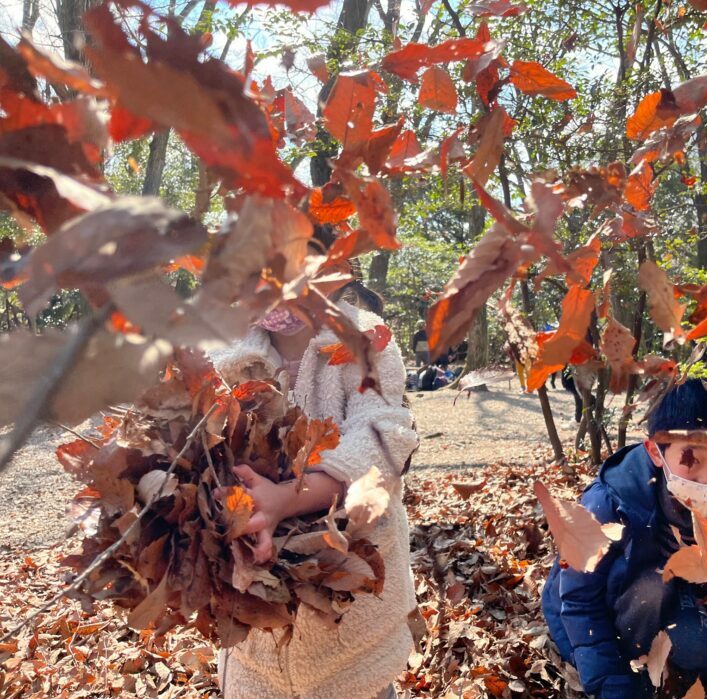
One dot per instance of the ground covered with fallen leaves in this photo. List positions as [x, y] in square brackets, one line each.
[480, 552]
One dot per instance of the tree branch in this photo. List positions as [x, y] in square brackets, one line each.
[48, 384]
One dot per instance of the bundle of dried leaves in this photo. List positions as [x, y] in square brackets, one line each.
[187, 561]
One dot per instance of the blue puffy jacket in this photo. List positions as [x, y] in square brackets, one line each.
[579, 606]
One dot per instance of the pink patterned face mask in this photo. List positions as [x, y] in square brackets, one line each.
[281, 320]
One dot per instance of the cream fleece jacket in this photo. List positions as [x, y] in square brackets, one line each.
[371, 645]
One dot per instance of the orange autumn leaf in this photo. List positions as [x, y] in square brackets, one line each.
[237, 510]
[348, 112]
[639, 186]
[532, 79]
[653, 112]
[555, 352]
[380, 336]
[333, 210]
[437, 91]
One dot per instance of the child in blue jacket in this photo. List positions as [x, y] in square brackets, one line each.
[600, 621]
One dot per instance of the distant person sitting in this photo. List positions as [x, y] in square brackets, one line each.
[602, 620]
[426, 378]
[420, 346]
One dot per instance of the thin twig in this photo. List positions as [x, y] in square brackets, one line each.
[105, 555]
[76, 433]
[50, 382]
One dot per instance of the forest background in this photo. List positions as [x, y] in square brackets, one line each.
[560, 131]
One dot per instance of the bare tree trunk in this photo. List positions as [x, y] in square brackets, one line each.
[353, 18]
[30, 14]
[155, 163]
[378, 271]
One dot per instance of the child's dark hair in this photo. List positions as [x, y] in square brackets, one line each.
[682, 408]
[355, 292]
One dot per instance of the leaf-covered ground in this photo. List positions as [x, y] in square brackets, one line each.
[480, 553]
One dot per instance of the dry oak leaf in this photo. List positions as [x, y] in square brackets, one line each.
[237, 510]
[493, 132]
[532, 79]
[664, 309]
[119, 239]
[581, 540]
[494, 258]
[437, 91]
[367, 499]
[690, 562]
[112, 369]
[326, 205]
[656, 658]
[663, 108]
[617, 344]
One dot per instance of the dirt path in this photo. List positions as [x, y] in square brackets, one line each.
[501, 424]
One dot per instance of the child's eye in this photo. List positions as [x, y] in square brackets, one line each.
[688, 458]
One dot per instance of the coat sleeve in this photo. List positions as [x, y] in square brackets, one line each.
[587, 619]
[377, 429]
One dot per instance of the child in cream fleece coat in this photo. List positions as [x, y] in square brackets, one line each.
[370, 646]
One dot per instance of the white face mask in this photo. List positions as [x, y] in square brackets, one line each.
[690, 493]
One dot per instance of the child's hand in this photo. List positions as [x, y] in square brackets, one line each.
[271, 502]
[274, 502]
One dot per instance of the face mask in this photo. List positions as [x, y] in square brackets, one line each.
[283, 321]
[690, 493]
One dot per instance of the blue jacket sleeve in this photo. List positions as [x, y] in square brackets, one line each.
[587, 619]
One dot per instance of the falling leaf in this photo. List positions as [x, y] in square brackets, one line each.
[496, 8]
[367, 499]
[492, 260]
[581, 540]
[380, 336]
[467, 489]
[697, 690]
[317, 64]
[656, 659]
[490, 149]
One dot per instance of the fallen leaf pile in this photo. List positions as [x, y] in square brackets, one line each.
[189, 561]
[481, 552]
[73, 653]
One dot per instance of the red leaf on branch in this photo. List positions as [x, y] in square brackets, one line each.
[640, 187]
[326, 206]
[380, 336]
[437, 91]
[348, 113]
[577, 307]
[407, 61]
[532, 79]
